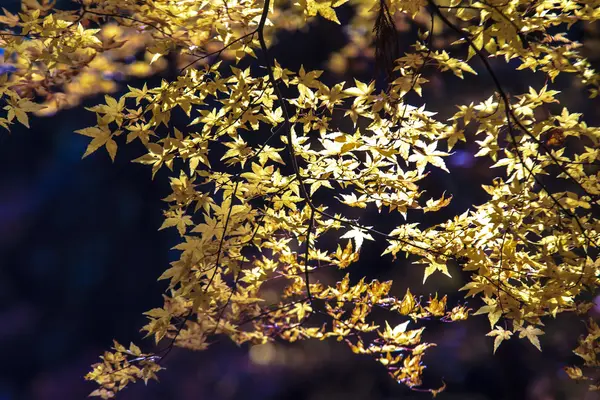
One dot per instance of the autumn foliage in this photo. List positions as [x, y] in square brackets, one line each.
[269, 162]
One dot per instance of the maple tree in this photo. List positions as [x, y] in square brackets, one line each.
[269, 163]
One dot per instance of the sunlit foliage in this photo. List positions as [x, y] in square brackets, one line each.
[269, 162]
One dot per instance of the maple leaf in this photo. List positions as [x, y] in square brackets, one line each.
[493, 312]
[102, 136]
[323, 8]
[437, 307]
[575, 373]
[407, 305]
[20, 108]
[531, 333]
[354, 201]
[345, 256]
[428, 155]
[112, 110]
[359, 235]
[270, 153]
[397, 330]
[435, 205]
[177, 219]
[9, 19]
[455, 136]
[500, 335]
[433, 266]
[301, 310]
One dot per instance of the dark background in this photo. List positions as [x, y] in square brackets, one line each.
[80, 254]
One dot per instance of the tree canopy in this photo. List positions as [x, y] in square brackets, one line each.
[267, 165]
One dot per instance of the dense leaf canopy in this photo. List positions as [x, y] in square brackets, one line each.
[267, 164]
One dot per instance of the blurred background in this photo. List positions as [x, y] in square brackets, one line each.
[80, 254]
